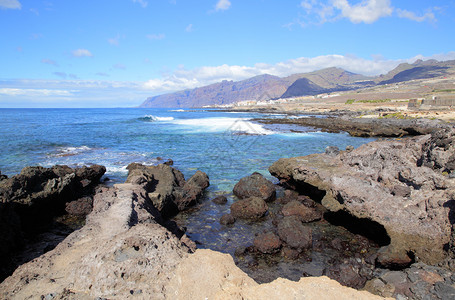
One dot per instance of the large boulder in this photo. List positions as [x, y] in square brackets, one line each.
[294, 233]
[255, 185]
[250, 208]
[166, 186]
[267, 242]
[30, 201]
[306, 214]
[403, 186]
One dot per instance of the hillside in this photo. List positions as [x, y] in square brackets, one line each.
[265, 87]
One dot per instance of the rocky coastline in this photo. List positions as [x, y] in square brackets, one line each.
[395, 197]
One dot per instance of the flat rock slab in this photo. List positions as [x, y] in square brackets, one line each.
[401, 184]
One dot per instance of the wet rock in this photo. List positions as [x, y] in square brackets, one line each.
[220, 200]
[294, 233]
[249, 208]
[267, 243]
[227, 219]
[80, 207]
[332, 150]
[290, 253]
[306, 214]
[393, 259]
[375, 182]
[255, 185]
[346, 274]
[288, 196]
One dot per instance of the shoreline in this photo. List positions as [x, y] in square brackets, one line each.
[395, 260]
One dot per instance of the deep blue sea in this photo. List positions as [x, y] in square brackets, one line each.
[227, 146]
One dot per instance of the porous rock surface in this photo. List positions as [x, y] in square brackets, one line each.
[167, 188]
[123, 253]
[255, 185]
[405, 185]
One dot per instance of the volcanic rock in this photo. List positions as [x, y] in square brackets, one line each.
[249, 208]
[255, 185]
[267, 243]
[294, 233]
[227, 219]
[220, 200]
[398, 185]
[306, 214]
[166, 186]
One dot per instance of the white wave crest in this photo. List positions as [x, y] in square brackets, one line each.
[155, 118]
[238, 125]
[70, 151]
[178, 110]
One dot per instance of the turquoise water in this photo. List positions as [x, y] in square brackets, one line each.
[224, 145]
[227, 146]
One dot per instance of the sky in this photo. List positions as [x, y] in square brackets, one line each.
[99, 53]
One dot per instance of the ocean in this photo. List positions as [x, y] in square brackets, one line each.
[227, 146]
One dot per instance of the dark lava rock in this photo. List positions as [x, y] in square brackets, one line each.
[288, 196]
[255, 185]
[393, 259]
[347, 274]
[2, 176]
[332, 150]
[249, 208]
[227, 219]
[290, 253]
[80, 207]
[192, 190]
[220, 200]
[294, 233]
[306, 214]
[167, 188]
[401, 190]
[267, 243]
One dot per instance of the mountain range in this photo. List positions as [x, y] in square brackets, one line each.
[266, 87]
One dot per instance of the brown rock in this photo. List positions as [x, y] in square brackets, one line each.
[220, 200]
[80, 207]
[255, 185]
[227, 219]
[294, 233]
[250, 208]
[374, 181]
[267, 243]
[306, 214]
[393, 259]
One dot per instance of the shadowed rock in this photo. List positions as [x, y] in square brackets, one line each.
[250, 208]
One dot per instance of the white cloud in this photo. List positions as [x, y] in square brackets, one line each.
[143, 3]
[189, 28]
[62, 75]
[429, 15]
[114, 41]
[182, 78]
[49, 62]
[367, 11]
[222, 5]
[81, 53]
[159, 36]
[34, 92]
[10, 4]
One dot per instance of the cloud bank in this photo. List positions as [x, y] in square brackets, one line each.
[10, 4]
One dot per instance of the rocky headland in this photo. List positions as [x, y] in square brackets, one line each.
[128, 249]
[380, 217]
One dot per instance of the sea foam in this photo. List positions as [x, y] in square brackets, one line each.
[152, 118]
[237, 125]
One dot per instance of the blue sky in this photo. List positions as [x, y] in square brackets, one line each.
[116, 53]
